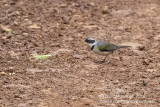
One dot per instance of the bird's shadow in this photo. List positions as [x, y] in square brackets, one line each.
[101, 62]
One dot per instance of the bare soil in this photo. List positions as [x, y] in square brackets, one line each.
[72, 77]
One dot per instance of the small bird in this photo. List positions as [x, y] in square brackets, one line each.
[104, 48]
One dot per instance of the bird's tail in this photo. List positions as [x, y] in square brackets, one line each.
[124, 46]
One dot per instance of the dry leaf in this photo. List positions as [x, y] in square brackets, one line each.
[34, 26]
[5, 28]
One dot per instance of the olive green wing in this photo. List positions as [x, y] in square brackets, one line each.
[102, 46]
[107, 47]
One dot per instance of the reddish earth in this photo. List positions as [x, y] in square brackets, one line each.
[72, 77]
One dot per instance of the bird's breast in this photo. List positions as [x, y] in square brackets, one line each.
[97, 51]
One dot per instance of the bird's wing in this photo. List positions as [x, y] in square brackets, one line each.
[102, 46]
[106, 46]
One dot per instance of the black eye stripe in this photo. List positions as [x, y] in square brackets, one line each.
[92, 41]
[89, 41]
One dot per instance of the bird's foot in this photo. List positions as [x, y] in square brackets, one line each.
[101, 62]
[108, 61]
[104, 61]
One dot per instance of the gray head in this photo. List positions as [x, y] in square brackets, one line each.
[90, 41]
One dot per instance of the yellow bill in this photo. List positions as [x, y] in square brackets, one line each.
[85, 43]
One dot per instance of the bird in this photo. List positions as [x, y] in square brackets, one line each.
[104, 48]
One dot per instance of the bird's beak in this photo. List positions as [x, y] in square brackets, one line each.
[85, 43]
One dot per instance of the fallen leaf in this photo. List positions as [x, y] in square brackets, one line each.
[42, 56]
[34, 26]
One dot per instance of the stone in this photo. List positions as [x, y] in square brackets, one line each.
[151, 70]
[77, 56]
[2, 73]
[105, 10]
[157, 38]
[5, 28]
[33, 70]
[62, 51]
[124, 12]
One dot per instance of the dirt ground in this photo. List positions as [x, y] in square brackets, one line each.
[72, 77]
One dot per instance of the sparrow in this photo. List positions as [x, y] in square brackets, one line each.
[104, 48]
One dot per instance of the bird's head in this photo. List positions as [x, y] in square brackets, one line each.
[90, 41]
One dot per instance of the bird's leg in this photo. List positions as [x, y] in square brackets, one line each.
[109, 59]
[105, 59]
